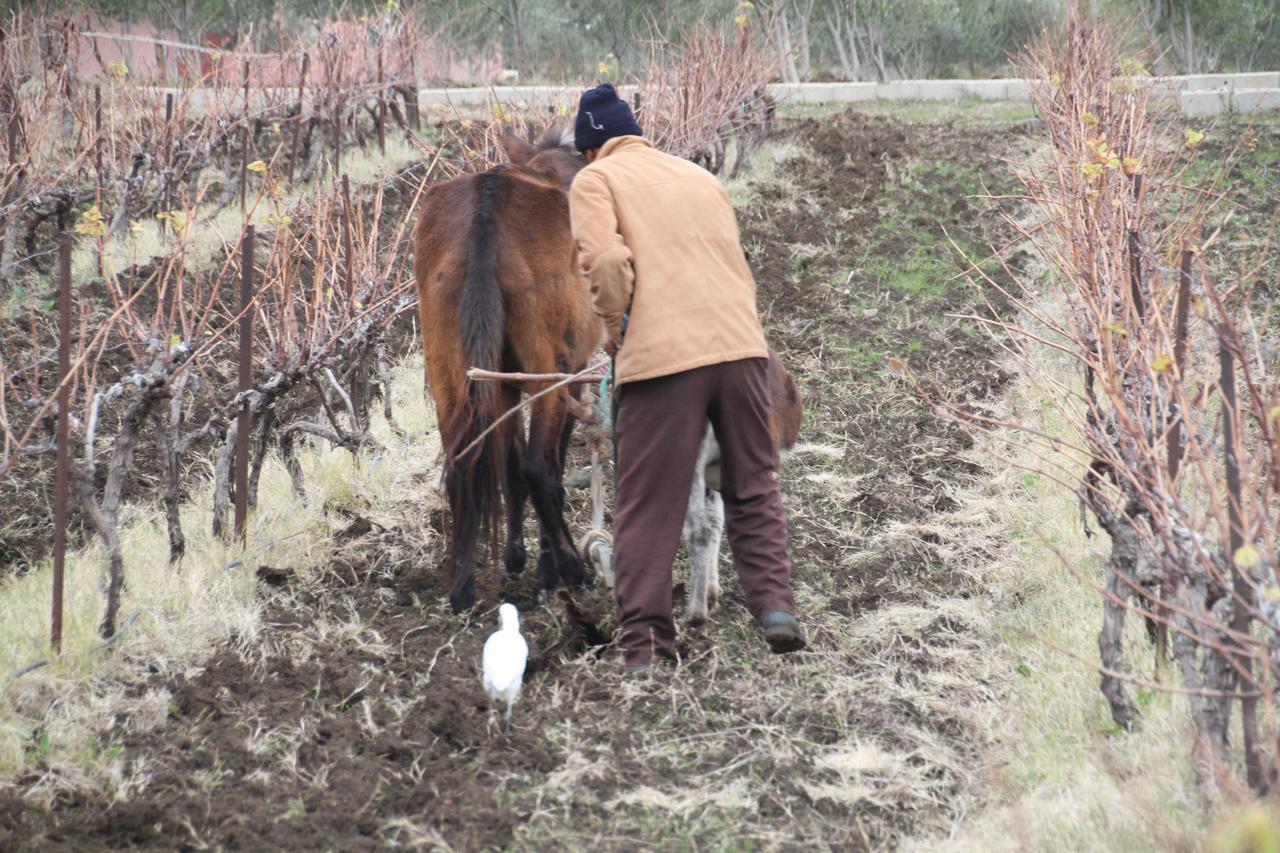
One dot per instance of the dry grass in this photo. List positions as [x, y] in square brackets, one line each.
[1059, 775]
[50, 718]
[744, 189]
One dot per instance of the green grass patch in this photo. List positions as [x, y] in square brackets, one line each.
[864, 357]
[918, 274]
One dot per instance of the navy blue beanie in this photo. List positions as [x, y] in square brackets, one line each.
[602, 115]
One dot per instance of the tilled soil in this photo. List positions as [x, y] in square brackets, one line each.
[357, 720]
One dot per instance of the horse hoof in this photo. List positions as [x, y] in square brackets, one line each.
[516, 560]
[695, 619]
[460, 601]
[578, 573]
[546, 565]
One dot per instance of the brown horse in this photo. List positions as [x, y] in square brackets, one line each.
[499, 288]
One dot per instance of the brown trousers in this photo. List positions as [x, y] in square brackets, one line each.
[660, 427]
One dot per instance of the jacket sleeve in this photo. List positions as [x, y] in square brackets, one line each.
[605, 258]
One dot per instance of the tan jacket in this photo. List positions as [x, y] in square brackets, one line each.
[657, 236]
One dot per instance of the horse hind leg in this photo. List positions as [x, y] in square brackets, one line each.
[566, 435]
[462, 579]
[558, 560]
[463, 526]
[562, 458]
[474, 484]
[515, 494]
[547, 540]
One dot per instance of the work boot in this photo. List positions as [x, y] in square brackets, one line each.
[782, 632]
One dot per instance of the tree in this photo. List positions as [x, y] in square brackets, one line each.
[802, 12]
[1210, 35]
[842, 23]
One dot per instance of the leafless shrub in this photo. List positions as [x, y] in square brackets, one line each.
[1174, 423]
[710, 88]
[158, 330]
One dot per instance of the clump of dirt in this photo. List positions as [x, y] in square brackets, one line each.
[357, 720]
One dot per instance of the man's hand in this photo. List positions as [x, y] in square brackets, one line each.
[607, 342]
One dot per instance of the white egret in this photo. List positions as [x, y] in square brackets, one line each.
[505, 655]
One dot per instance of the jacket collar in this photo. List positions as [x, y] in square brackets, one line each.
[619, 143]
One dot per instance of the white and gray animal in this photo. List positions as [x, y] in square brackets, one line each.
[505, 656]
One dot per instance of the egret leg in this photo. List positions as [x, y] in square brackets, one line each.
[492, 724]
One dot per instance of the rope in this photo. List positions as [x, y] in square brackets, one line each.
[604, 401]
[600, 439]
[522, 404]
[597, 416]
[609, 422]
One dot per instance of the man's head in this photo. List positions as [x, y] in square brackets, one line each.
[602, 115]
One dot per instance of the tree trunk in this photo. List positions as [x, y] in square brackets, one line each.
[1205, 668]
[9, 231]
[872, 40]
[384, 382]
[173, 469]
[291, 463]
[786, 54]
[845, 34]
[837, 36]
[104, 515]
[1150, 19]
[222, 480]
[1111, 641]
[516, 14]
[266, 423]
[1188, 38]
[1241, 583]
[804, 53]
[1184, 44]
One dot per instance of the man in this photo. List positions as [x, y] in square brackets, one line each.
[658, 242]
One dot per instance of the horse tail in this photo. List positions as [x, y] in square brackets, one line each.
[474, 465]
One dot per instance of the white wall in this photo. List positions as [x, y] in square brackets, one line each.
[1198, 94]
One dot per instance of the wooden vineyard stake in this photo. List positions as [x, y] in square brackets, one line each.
[63, 464]
[243, 419]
